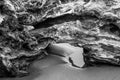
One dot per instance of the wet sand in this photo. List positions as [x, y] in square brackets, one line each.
[56, 68]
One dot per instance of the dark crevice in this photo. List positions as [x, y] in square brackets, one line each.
[72, 63]
[57, 20]
[86, 0]
[111, 28]
[61, 19]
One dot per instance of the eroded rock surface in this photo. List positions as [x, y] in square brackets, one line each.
[92, 25]
[28, 26]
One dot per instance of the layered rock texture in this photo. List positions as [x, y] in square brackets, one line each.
[27, 27]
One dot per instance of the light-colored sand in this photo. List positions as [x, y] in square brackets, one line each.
[55, 68]
[66, 50]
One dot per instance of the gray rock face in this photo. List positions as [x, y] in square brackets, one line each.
[28, 26]
[18, 48]
[94, 26]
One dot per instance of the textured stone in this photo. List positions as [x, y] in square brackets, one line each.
[94, 26]
[18, 48]
[28, 26]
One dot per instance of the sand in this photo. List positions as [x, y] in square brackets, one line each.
[55, 67]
